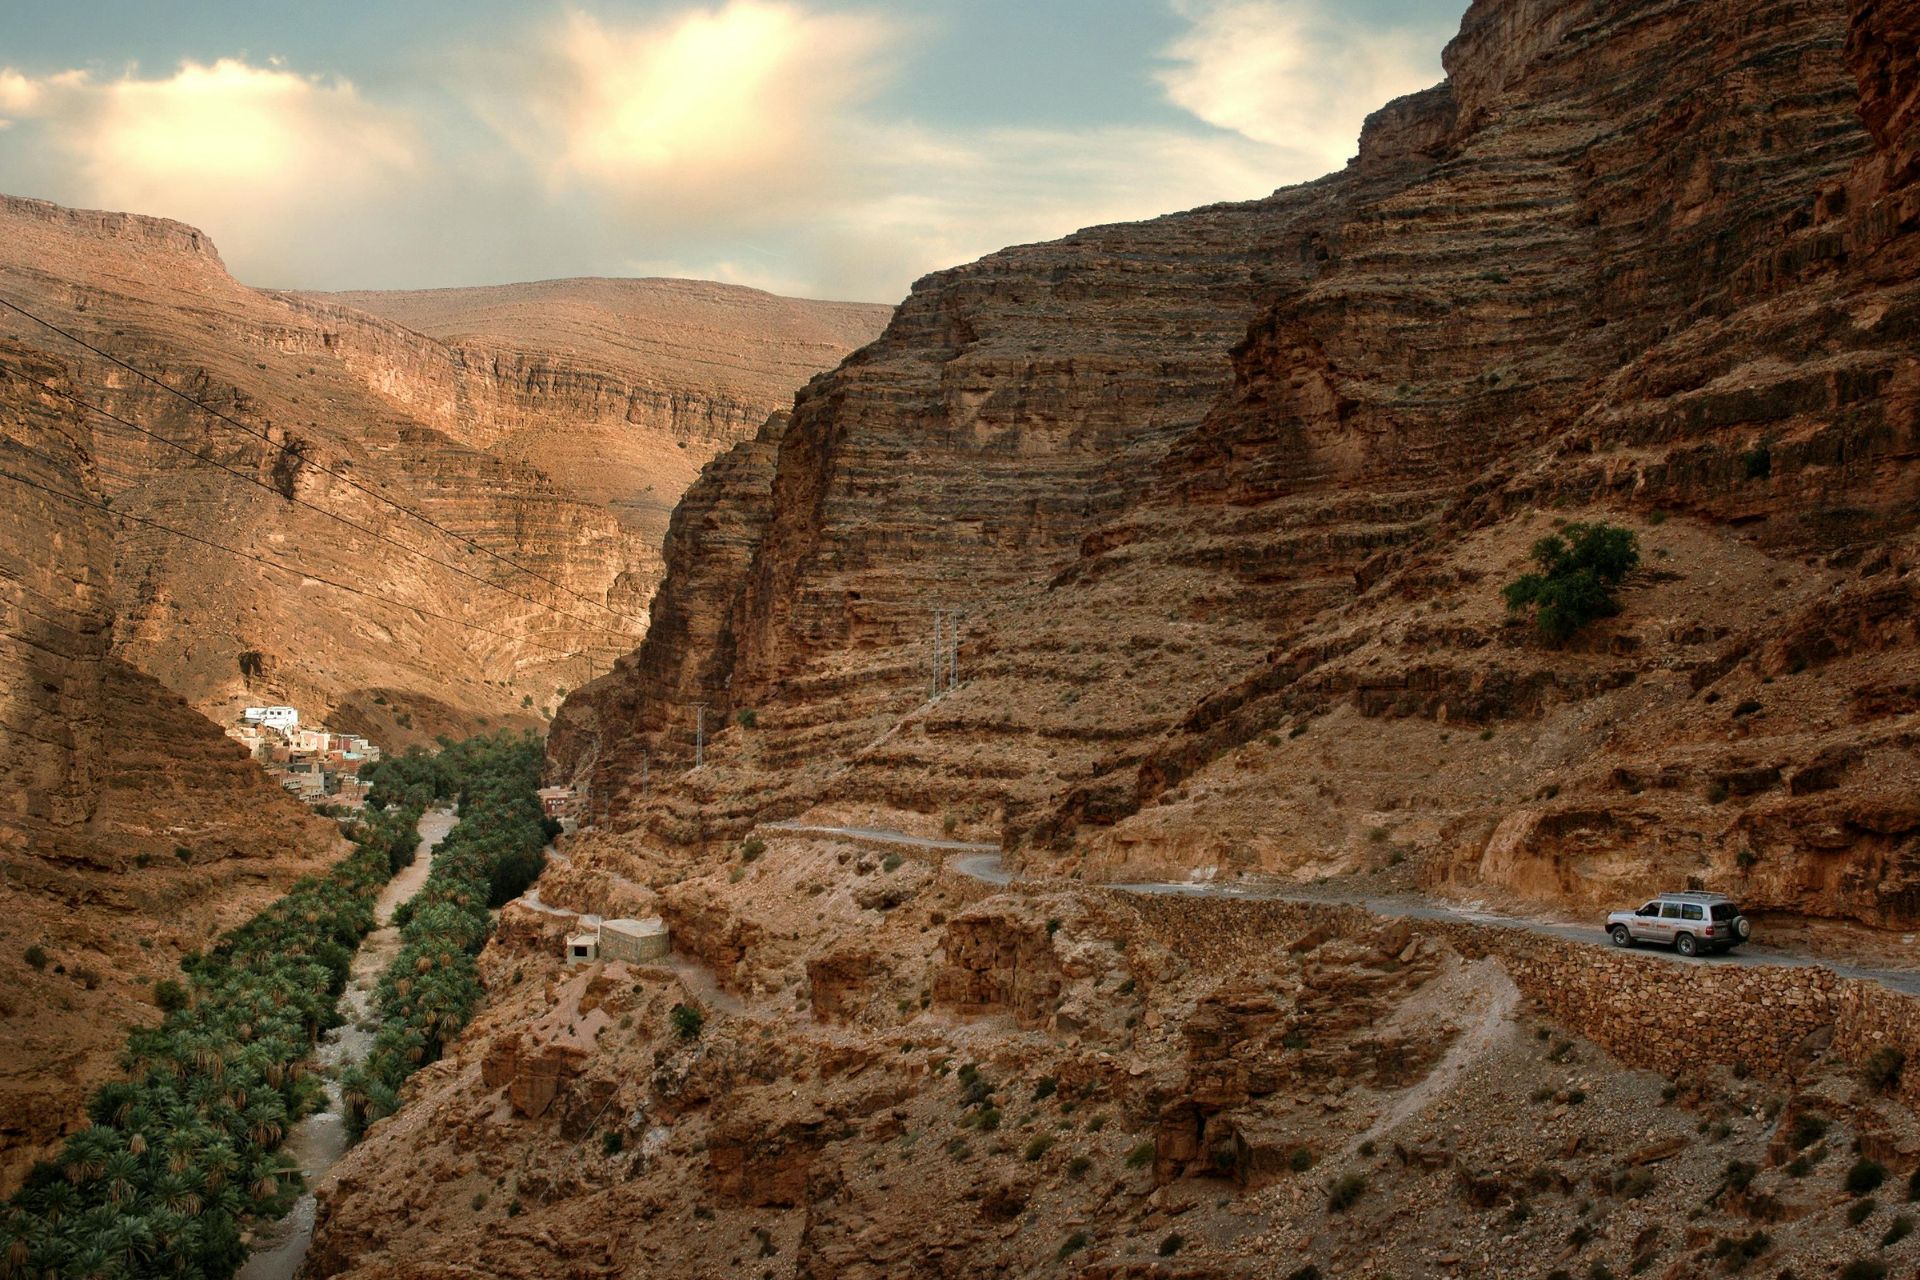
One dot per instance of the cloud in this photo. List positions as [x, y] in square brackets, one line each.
[265, 156]
[733, 113]
[1289, 74]
[745, 140]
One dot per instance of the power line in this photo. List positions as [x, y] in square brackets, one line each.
[77, 500]
[338, 475]
[311, 506]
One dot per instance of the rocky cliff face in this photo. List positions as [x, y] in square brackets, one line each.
[1226, 500]
[486, 438]
[132, 828]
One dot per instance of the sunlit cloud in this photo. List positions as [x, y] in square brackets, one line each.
[261, 154]
[1290, 74]
[733, 113]
[761, 142]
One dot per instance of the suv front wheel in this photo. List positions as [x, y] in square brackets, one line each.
[1685, 945]
[1621, 936]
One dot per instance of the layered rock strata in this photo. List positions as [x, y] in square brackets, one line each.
[132, 828]
[1226, 501]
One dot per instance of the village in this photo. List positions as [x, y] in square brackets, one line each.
[315, 764]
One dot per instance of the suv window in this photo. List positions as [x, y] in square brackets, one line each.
[1651, 909]
[1670, 910]
[1692, 911]
[1725, 911]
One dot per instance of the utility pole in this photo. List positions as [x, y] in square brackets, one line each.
[933, 687]
[700, 735]
[953, 654]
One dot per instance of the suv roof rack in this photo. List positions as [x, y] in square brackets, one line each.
[1698, 895]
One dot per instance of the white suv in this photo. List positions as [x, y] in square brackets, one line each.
[1688, 922]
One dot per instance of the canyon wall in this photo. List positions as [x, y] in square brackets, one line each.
[132, 828]
[1226, 501]
[500, 498]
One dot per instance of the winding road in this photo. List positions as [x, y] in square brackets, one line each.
[983, 862]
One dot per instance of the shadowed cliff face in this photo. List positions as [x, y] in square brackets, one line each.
[1227, 499]
[537, 429]
[131, 828]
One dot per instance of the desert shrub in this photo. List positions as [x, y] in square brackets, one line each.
[35, 955]
[1807, 1130]
[612, 1141]
[1579, 572]
[1172, 1244]
[1882, 1068]
[1141, 1156]
[686, 1020]
[747, 719]
[1735, 1252]
[1040, 1145]
[1073, 1244]
[1897, 1230]
[169, 996]
[1345, 1191]
[1865, 1175]
[1301, 1160]
[891, 862]
[1864, 1269]
[1044, 1088]
[752, 849]
[1078, 1166]
[1860, 1210]
[1913, 1186]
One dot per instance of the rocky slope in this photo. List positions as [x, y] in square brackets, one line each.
[1227, 500]
[351, 413]
[133, 829]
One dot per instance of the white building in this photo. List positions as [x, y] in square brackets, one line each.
[285, 719]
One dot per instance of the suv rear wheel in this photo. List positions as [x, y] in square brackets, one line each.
[1685, 945]
[1621, 936]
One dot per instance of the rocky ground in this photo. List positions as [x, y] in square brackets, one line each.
[913, 1074]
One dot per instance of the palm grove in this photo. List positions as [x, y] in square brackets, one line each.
[182, 1153]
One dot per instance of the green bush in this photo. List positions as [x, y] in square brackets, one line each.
[1040, 1145]
[1882, 1068]
[687, 1021]
[35, 955]
[1073, 1244]
[611, 1141]
[752, 849]
[1141, 1156]
[1172, 1244]
[890, 863]
[1865, 1175]
[169, 996]
[1580, 571]
[747, 719]
[1345, 1191]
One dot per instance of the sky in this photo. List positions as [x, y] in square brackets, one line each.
[819, 148]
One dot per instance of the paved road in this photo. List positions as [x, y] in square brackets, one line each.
[983, 862]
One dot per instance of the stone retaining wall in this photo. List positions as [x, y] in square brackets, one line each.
[1644, 1008]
